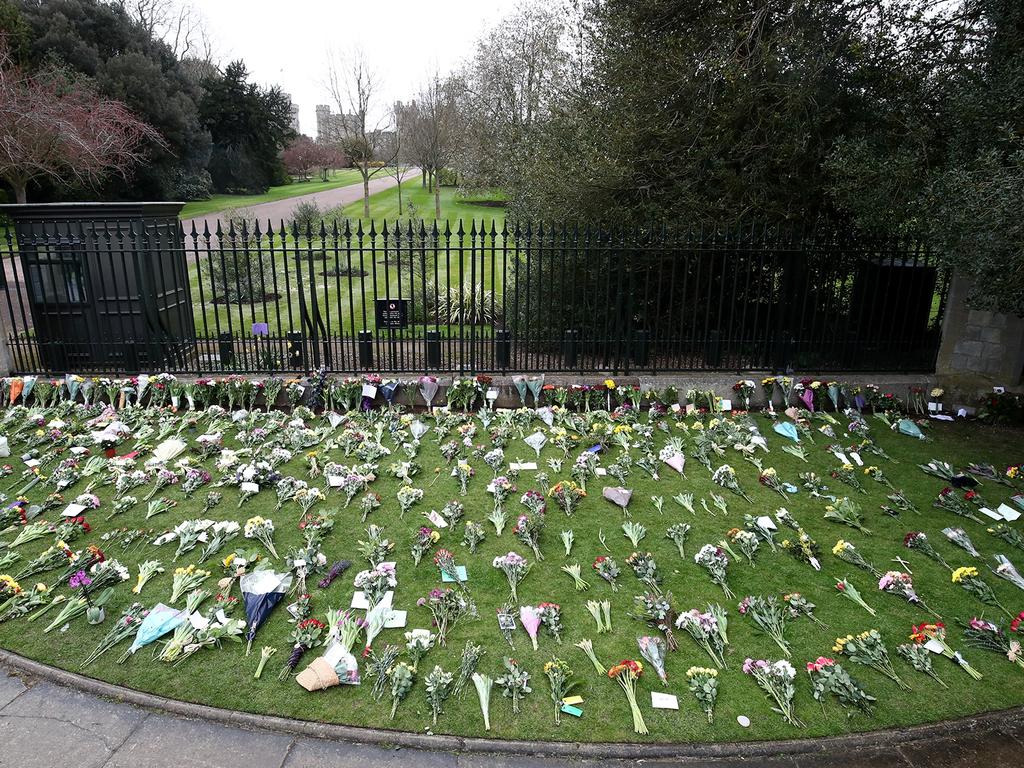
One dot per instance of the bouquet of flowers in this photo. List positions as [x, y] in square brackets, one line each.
[657, 611]
[708, 630]
[515, 567]
[528, 529]
[261, 529]
[801, 606]
[769, 478]
[1010, 535]
[627, 673]
[607, 569]
[448, 607]
[560, 679]
[776, 679]
[770, 615]
[567, 495]
[304, 636]
[515, 683]
[970, 581]
[988, 636]
[645, 569]
[845, 473]
[902, 584]
[746, 541]
[1005, 570]
[725, 476]
[847, 590]
[463, 471]
[848, 553]
[703, 684]
[408, 496]
[959, 537]
[424, 541]
[846, 512]
[949, 500]
[828, 677]
[935, 633]
[401, 676]
[437, 685]
[472, 535]
[678, 533]
[920, 658]
[376, 582]
[185, 580]
[714, 560]
[917, 540]
[869, 649]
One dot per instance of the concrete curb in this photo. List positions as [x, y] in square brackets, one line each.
[871, 741]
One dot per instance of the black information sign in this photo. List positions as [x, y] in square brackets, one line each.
[392, 313]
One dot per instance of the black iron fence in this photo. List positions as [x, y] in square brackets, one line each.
[138, 292]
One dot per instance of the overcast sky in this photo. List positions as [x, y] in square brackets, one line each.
[287, 43]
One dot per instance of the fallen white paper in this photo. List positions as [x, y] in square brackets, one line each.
[766, 522]
[664, 700]
[600, 471]
[989, 513]
[436, 519]
[523, 466]
[1009, 513]
[396, 620]
[74, 510]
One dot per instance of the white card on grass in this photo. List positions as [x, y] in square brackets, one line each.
[369, 391]
[766, 522]
[78, 450]
[935, 646]
[335, 481]
[989, 513]
[359, 601]
[664, 700]
[436, 519]
[841, 457]
[523, 466]
[600, 471]
[32, 463]
[74, 510]
[249, 488]
[396, 620]
[1009, 513]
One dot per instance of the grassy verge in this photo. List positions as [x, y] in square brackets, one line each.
[224, 677]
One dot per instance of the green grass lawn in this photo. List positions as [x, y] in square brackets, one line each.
[454, 207]
[216, 203]
[343, 299]
[224, 677]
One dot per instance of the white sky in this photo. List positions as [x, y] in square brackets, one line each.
[287, 43]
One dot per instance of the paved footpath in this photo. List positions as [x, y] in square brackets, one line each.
[43, 725]
[281, 210]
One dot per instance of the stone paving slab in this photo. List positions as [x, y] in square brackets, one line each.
[163, 741]
[43, 725]
[11, 686]
[51, 704]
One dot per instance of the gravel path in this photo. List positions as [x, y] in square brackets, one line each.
[281, 210]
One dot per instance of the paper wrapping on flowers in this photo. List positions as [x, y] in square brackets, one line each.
[336, 667]
[617, 495]
[677, 461]
[536, 441]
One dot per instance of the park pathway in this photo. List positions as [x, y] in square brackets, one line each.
[281, 210]
[43, 724]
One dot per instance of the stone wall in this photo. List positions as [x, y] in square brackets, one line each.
[979, 349]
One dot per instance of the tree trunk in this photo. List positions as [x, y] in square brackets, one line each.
[423, 177]
[437, 195]
[399, 177]
[366, 192]
[20, 192]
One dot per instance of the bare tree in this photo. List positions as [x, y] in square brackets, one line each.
[54, 127]
[364, 137]
[397, 170]
[432, 131]
[180, 25]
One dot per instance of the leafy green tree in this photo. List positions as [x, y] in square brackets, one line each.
[250, 126]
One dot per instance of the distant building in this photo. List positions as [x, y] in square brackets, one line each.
[293, 113]
[332, 127]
